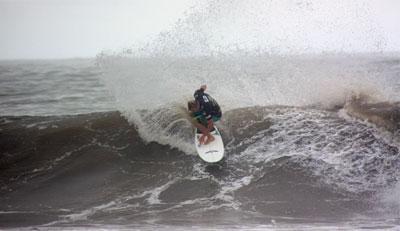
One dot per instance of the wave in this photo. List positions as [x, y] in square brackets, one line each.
[310, 137]
[148, 84]
[248, 57]
[382, 114]
[285, 163]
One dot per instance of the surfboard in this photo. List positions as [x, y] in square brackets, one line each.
[212, 152]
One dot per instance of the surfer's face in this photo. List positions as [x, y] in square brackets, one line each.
[194, 107]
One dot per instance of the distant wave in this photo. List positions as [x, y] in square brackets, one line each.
[382, 114]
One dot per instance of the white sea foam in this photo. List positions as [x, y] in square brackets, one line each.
[83, 215]
[155, 192]
[354, 155]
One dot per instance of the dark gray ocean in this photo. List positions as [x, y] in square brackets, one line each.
[312, 143]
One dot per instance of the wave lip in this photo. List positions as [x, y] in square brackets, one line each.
[382, 114]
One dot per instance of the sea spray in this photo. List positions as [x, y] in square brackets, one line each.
[254, 53]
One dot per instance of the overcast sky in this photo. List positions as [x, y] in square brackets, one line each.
[81, 28]
[31, 29]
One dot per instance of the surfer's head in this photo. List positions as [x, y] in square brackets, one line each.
[193, 106]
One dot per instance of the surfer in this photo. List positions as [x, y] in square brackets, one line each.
[205, 111]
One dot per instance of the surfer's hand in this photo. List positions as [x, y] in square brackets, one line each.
[210, 139]
[202, 139]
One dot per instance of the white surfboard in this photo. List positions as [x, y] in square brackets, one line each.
[211, 152]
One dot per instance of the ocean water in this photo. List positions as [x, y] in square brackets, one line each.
[52, 87]
[105, 156]
[311, 138]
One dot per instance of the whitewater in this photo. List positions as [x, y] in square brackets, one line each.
[310, 122]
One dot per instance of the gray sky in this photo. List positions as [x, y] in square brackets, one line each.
[81, 28]
[32, 29]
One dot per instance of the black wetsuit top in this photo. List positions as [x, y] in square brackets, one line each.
[208, 105]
